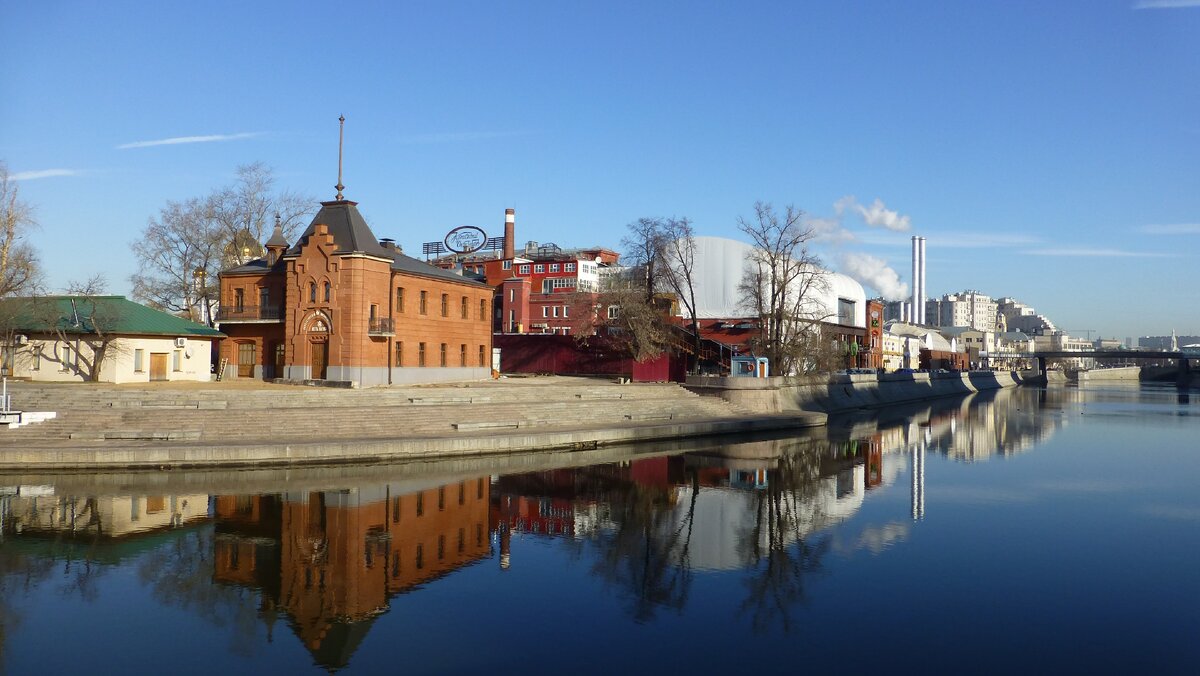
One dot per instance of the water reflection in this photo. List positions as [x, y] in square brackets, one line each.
[326, 552]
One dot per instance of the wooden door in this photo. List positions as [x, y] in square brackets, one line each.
[280, 353]
[246, 360]
[320, 357]
[158, 366]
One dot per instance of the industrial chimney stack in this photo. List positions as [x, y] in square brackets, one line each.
[918, 280]
[510, 232]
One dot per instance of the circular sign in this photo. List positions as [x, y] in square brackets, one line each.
[466, 239]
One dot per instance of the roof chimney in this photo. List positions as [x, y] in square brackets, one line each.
[510, 230]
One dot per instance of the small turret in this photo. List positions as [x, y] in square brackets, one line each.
[277, 244]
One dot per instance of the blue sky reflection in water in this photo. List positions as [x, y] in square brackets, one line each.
[1040, 529]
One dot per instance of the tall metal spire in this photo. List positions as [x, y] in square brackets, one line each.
[341, 130]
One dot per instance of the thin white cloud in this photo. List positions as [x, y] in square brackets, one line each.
[877, 215]
[42, 173]
[875, 273]
[459, 136]
[1165, 4]
[971, 240]
[179, 140]
[1084, 252]
[1172, 229]
[950, 240]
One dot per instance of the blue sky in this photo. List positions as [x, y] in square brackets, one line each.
[1046, 150]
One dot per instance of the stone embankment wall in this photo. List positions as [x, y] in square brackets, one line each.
[844, 392]
[1130, 373]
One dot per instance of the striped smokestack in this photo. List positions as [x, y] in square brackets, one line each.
[510, 232]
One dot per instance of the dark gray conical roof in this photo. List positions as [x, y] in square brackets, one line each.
[349, 229]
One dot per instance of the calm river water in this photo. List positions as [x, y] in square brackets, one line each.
[1028, 530]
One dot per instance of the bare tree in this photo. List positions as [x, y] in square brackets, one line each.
[679, 268]
[643, 254]
[246, 212]
[84, 324]
[632, 320]
[184, 248]
[19, 270]
[781, 286]
[181, 254]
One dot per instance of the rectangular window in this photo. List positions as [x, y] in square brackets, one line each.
[845, 311]
[442, 359]
[374, 312]
[482, 363]
[462, 354]
[552, 283]
[539, 268]
[507, 265]
[614, 311]
[569, 267]
[424, 307]
[66, 358]
[420, 354]
[465, 311]
[512, 295]
[555, 310]
[399, 353]
[554, 267]
[400, 299]
[445, 305]
[482, 309]
[565, 309]
[239, 300]
[37, 358]
[264, 298]
[545, 311]
[524, 269]
[139, 360]
[177, 360]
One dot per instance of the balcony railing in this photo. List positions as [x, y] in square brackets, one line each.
[249, 313]
[381, 327]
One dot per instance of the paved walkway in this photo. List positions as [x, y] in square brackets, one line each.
[248, 423]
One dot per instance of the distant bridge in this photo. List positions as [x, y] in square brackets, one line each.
[1182, 356]
[1094, 354]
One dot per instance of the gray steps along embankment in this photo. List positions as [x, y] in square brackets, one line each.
[92, 413]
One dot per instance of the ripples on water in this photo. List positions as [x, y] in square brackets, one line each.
[1023, 529]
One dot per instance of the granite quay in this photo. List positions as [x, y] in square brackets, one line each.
[171, 425]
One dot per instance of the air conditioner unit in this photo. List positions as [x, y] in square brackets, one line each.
[21, 339]
[181, 342]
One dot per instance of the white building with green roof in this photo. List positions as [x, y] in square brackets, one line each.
[102, 339]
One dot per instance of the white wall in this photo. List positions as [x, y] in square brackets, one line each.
[195, 359]
[720, 264]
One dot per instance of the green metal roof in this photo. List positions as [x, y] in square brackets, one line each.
[82, 314]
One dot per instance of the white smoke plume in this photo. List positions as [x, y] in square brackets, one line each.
[877, 215]
[875, 273]
[828, 230]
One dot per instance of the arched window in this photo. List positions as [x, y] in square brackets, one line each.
[328, 291]
[312, 292]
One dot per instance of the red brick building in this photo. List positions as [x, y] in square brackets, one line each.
[342, 305]
[535, 286]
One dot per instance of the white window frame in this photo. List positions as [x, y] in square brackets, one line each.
[524, 269]
[539, 268]
[554, 267]
[507, 265]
